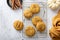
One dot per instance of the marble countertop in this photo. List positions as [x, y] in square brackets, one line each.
[7, 17]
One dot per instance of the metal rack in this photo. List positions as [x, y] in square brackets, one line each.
[42, 14]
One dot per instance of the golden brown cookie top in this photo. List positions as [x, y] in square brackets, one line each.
[35, 8]
[30, 31]
[18, 25]
[41, 26]
[36, 19]
[27, 13]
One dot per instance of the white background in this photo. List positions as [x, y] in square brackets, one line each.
[7, 17]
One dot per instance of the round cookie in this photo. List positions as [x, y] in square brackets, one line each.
[41, 26]
[18, 25]
[35, 20]
[27, 13]
[30, 31]
[35, 8]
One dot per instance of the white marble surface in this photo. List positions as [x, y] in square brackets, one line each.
[7, 17]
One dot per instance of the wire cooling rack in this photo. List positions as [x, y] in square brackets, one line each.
[42, 14]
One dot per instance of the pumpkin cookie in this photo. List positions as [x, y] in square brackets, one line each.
[36, 19]
[40, 26]
[35, 8]
[27, 13]
[30, 31]
[18, 25]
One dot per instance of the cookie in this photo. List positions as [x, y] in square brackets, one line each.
[28, 14]
[35, 20]
[30, 31]
[18, 25]
[41, 26]
[35, 8]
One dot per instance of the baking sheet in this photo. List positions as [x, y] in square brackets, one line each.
[42, 14]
